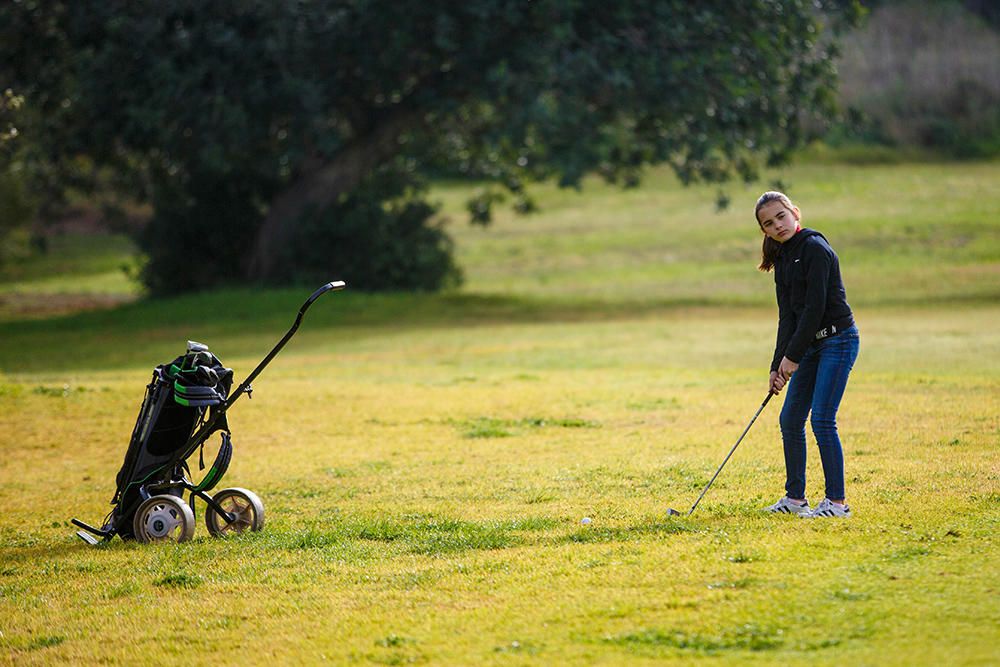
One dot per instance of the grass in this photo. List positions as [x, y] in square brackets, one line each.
[425, 460]
[79, 271]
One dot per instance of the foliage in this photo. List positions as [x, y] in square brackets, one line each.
[198, 232]
[987, 9]
[379, 237]
[16, 211]
[923, 75]
[9, 104]
[16, 207]
[296, 104]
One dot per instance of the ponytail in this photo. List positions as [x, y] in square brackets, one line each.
[768, 254]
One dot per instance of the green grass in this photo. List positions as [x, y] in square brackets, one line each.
[425, 460]
[79, 271]
[97, 259]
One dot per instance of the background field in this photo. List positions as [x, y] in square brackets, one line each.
[426, 460]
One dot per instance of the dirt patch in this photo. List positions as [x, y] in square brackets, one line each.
[18, 305]
[91, 220]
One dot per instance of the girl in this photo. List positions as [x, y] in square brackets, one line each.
[815, 351]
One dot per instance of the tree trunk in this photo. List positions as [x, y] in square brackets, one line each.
[322, 186]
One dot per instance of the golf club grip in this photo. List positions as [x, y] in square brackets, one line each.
[334, 285]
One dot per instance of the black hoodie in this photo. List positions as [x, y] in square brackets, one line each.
[811, 294]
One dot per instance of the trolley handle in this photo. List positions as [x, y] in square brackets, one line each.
[206, 429]
[335, 285]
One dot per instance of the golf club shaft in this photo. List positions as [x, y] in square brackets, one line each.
[742, 435]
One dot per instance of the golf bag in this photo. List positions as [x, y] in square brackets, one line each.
[182, 395]
[185, 403]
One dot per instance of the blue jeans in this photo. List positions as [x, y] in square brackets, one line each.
[818, 385]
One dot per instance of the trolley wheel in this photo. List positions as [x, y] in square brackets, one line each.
[163, 519]
[247, 507]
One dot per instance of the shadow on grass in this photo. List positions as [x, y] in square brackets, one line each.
[351, 539]
[420, 534]
[30, 643]
[249, 322]
[359, 538]
[651, 527]
[434, 535]
[749, 637]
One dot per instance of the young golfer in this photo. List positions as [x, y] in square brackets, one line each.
[817, 345]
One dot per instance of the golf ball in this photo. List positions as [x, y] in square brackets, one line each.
[585, 521]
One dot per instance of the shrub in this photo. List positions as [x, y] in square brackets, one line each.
[16, 211]
[381, 237]
[196, 241]
[922, 74]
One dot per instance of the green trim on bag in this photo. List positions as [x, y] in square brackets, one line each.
[209, 480]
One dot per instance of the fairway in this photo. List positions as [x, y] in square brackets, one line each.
[426, 460]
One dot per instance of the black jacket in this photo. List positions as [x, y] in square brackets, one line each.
[810, 293]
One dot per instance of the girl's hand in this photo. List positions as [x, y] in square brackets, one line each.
[776, 383]
[786, 368]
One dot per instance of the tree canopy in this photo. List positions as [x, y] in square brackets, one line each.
[256, 127]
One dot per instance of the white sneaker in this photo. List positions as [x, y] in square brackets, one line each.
[828, 508]
[788, 506]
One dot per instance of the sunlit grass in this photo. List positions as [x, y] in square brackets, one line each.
[896, 228]
[74, 262]
[426, 461]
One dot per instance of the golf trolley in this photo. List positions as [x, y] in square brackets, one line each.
[185, 403]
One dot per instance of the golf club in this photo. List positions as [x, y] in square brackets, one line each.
[672, 512]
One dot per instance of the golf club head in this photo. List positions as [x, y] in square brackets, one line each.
[672, 512]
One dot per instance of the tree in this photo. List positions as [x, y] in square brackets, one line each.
[284, 111]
